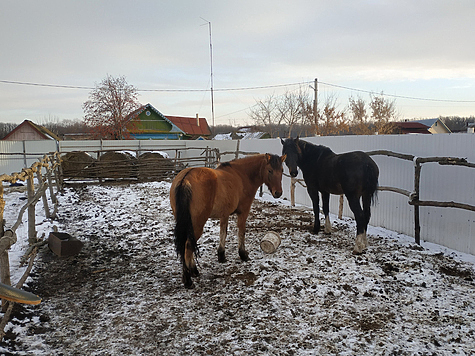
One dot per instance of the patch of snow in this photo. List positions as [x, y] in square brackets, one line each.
[123, 293]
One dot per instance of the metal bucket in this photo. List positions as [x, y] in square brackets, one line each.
[270, 242]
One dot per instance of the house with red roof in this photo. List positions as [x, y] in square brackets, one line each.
[147, 123]
[428, 126]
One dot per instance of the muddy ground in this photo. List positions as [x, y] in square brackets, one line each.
[122, 295]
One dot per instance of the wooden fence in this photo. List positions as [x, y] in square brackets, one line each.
[412, 196]
[50, 163]
[133, 164]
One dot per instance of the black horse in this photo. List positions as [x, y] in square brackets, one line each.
[354, 174]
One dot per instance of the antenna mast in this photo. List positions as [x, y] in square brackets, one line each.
[211, 64]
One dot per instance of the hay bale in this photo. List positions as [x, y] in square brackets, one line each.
[153, 165]
[116, 165]
[77, 164]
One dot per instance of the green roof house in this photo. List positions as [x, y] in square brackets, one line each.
[147, 123]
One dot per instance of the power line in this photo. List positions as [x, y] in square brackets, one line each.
[397, 96]
[152, 90]
[247, 88]
[45, 85]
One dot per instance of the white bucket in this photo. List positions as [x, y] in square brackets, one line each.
[270, 242]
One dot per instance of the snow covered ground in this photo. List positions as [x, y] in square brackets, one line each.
[122, 295]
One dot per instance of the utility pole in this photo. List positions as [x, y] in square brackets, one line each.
[315, 106]
[211, 61]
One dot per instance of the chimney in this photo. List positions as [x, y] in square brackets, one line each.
[197, 119]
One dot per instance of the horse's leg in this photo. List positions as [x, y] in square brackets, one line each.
[190, 260]
[361, 241]
[313, 193]
[189, 263]
[189, 266]
[367, 214]
[326, 211]
[366, 208]
[223, 231]
[241, 223]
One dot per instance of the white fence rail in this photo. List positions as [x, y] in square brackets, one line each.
[450, 227]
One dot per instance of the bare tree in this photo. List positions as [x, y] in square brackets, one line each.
[333, 121]
[457, 123]
[293, 109]
[264, 113]
[107, 108]
[382, 112]
[359, 116]
[5, 128]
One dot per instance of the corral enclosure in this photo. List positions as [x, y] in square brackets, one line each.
[123, 295]
[454, 228]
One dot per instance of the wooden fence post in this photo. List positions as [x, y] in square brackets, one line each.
[415, 199]
[43, 196]
[4, 262]
[58, 173]
[31, 210]
[50, 186]
[2, 209]
[292, 191]
[236, 156]
[8, 239]
[54, 200]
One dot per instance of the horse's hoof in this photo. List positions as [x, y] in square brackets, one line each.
[194, 272]
[190, 285]
[244, 255]
[360, 244]
[221, 256]
[187, 282]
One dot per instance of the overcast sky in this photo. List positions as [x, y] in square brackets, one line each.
[406, 48]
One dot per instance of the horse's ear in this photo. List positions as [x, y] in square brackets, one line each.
[283, 158]
[282, 140]
[297, 139]
[268, 157]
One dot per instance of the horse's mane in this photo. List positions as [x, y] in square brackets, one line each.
[310, 149]
[275, 161]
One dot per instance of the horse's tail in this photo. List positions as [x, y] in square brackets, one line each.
[371, 183]
[184, 224]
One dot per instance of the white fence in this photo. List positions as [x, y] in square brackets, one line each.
[454, 228]
[450, 227]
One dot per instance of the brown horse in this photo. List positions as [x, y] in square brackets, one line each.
[197, 194]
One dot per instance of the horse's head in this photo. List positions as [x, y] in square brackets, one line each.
[291, 149]
[273, 174]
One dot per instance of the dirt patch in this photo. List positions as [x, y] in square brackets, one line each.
[123, 293]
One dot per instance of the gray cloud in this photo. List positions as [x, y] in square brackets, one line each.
[370, 44]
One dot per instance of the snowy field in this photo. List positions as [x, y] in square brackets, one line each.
[123, 295]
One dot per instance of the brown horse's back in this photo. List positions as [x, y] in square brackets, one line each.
[202, 182]
[206, 184]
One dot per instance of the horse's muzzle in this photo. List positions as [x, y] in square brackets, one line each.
[294, 174]
[277, 194]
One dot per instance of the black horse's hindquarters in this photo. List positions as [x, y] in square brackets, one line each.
[354, 174]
